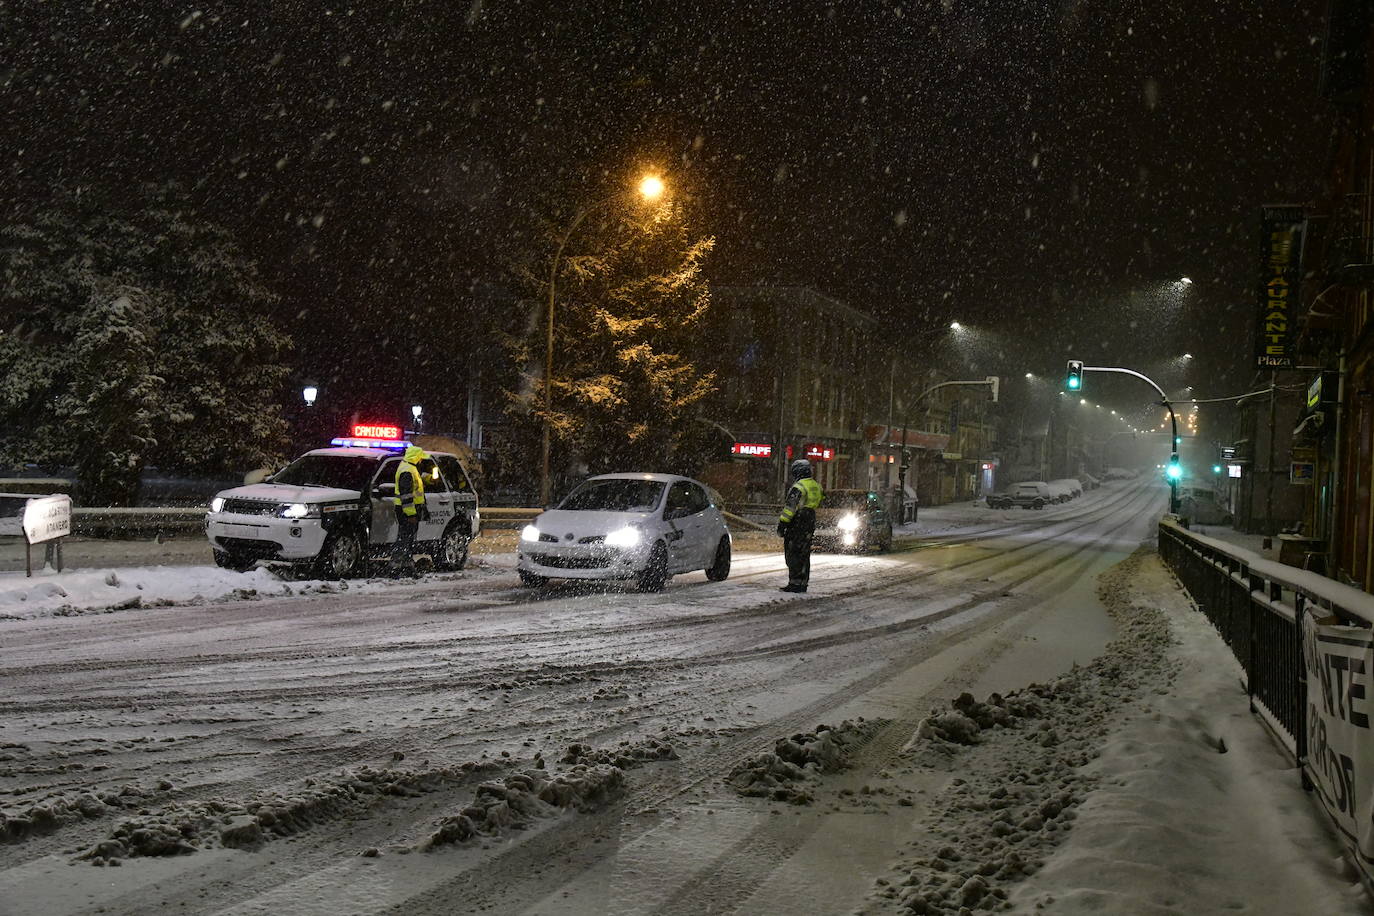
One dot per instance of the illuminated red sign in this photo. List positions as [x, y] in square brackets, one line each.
[752, 449]
[820, 452]
[376, 431]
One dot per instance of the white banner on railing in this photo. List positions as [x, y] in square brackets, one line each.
[1340, 748]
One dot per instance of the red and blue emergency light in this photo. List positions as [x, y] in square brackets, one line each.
[373, 435]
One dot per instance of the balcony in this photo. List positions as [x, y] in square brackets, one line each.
[1350, 247]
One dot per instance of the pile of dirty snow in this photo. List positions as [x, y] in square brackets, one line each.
[789, 771]
[181, 828]
[518, 799]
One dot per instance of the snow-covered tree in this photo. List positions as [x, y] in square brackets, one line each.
[631, 305]
[134, 337]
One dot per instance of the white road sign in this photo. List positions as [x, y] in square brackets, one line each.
[47, 518]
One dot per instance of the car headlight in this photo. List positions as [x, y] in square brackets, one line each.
[849, 522]
[625, 537]
[529, 533]
[298, 510]
[217, 504]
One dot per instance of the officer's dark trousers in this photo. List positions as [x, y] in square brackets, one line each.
[796, 549]
[402, 551]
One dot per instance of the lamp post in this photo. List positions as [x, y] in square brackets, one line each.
[309, 393]
[417, 412]
[650, 188]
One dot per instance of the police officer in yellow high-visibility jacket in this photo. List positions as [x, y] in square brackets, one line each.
[410, 510]
[797, 525]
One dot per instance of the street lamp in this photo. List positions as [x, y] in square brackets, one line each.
[651, 187]
[955, 326]
[309, 393]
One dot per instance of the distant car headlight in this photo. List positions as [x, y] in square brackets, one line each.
[849, 522]
[217, 504]
[529, 533]
[297, 510]
[625, 537]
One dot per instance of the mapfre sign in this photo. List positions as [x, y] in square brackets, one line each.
[47, 518]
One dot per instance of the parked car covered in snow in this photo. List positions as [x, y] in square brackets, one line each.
[1065, 489]
[645, 527]
[853, 520]
[1029, 494]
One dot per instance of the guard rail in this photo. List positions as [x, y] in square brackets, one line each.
[143, 520]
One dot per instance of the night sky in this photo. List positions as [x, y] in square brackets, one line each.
[1040, 171]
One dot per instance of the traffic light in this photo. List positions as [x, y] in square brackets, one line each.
[1173, 470]
[1074, 380]
[995, 382]
[1216, 469]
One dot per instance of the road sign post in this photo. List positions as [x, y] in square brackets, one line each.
[47, 520]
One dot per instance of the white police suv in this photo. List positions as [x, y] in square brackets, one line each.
[645, 527]
[330, 511]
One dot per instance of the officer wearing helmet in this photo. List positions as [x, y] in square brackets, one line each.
[797, 525]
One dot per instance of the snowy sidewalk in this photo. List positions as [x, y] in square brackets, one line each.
[1138, 783]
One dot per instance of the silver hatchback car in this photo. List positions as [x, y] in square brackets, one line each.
[645, 527]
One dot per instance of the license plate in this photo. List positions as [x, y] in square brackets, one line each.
[243, 531]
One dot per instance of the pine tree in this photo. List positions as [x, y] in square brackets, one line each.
[631, 305]
[134, 338]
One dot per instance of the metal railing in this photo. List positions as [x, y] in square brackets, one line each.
[1257, 606]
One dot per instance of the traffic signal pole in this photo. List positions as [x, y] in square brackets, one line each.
[993, 382]
[1173, 422]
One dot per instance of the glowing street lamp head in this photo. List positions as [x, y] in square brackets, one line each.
[1187, 356]
[1186, 281]
[651, 187]
[1030, 375]
[955, 326]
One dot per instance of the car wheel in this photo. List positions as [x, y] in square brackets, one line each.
[1039, 504]
[237, 564]
[340, 557]
[530, 580]
[720, 568]
[453, 548]
[654, 578]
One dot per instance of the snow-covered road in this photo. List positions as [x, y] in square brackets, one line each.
[463, 745]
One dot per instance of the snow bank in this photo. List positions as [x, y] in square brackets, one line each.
[73, 592]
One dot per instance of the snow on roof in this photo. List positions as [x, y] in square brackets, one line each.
[662, 478]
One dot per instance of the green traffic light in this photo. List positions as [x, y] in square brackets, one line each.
[1073, 382]
[1173, 471]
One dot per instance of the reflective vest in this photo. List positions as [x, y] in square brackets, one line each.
[416, 497]
[811, 496]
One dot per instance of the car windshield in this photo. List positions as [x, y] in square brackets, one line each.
[847, 499]
[344, 472]
[615, 495]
